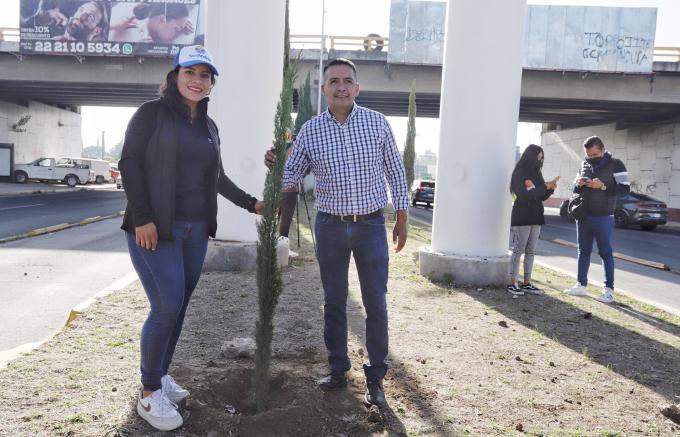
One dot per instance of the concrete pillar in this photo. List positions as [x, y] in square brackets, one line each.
[246, 40]
[481, 81]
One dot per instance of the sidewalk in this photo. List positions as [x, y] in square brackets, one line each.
[13, 189]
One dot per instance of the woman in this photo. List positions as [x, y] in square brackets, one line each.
[530, 190]
[172, 171]
[152, 23]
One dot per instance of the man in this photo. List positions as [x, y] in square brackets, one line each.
[88, 20]
[351, 151]
[601, 180]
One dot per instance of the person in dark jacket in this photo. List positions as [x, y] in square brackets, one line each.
[173, 172]
[530, 190]
[601, 180]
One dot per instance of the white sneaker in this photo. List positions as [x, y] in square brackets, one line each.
[607, 295]
[159, 411]
[577, 290]
[174, 392]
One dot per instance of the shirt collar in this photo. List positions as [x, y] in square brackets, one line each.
[329, 116]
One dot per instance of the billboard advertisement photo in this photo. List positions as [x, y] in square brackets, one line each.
[109, 27]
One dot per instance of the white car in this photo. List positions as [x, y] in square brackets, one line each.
[47, 170]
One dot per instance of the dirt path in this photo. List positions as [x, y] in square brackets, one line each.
[463, 362]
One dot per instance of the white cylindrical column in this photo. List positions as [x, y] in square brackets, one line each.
[479, 113]
[246, 40]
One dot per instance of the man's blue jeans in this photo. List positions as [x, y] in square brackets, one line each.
[599, 228]
[169, 276]
[367, 241]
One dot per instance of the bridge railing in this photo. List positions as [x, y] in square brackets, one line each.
[372, 42]
[9, 34]
[667, 54]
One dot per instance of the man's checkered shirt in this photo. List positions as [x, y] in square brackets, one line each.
[350, 163]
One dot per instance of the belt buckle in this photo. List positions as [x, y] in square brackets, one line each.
[352, 218]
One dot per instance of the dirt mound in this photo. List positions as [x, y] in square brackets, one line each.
[222, 404]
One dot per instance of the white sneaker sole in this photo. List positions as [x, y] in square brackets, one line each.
[576, 293]
[604, 300]
[160, 423]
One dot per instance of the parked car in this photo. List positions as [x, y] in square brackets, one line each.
[423, 192]
[101, 168]
[115, 172]
[633, 209]
[47, 170]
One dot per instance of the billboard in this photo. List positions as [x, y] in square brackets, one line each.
[578, 38]
[109, 27]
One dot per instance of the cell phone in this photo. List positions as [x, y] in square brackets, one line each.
[586, 179]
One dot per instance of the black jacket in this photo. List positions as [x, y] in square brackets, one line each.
[528, 207]
[603, 202]
[148, 166]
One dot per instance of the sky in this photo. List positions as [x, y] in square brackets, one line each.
[360, 18]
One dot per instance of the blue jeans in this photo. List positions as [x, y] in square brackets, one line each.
[367, 241]
[169, 276]
[599, 228]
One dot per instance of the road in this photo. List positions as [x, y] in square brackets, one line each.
[649, 285]
[660, 245]
[42, 278]
[19, 214]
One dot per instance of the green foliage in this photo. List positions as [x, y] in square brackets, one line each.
[269, 284]
[305, 110]
[410, 145]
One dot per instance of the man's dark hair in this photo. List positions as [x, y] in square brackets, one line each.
[593, 142]
[340, 61]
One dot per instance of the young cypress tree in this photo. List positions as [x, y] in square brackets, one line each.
[410, 145]
[269, 284]
[305, 110]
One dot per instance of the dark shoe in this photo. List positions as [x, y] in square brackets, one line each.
[375, 395]
[332, 381]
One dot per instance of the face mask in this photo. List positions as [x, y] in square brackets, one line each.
[594, 161]
[538, 165]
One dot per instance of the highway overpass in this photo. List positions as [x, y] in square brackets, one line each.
[566, 98]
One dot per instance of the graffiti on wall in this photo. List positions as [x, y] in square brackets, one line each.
[628, 49]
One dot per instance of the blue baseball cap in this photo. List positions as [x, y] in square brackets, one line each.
[194, 55]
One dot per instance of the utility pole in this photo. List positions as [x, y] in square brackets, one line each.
[103, 144]
[321, 50]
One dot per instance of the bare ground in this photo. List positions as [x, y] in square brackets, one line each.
[463, 362]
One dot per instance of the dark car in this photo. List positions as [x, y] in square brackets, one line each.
[633, 209]
[423, 192]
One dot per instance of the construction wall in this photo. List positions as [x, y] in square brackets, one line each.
[49, 132]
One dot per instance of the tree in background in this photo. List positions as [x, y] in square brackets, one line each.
[305, 110]
[410, 145]
[269, 284]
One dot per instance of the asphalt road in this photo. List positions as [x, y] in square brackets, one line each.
[42, 278]
[660, 245]
[19, 214]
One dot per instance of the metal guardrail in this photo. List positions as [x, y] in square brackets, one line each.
[667, 54]
[371, 42]
[9, 34]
